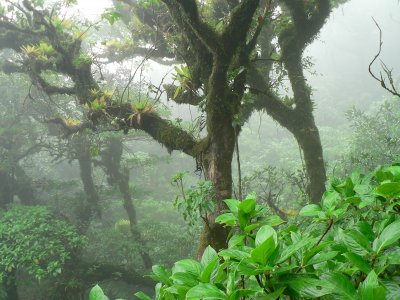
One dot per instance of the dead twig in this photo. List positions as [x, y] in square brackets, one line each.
[382, 79]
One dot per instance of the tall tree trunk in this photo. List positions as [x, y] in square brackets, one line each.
[6, 193]
[90, 207]
[220, 111]
[309, 141]
[23, 186]
[10, 286]
[304, 128]
[111, 158]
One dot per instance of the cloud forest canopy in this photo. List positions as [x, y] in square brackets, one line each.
[235, 54]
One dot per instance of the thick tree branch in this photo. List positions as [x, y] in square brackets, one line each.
[186, 16]
[236, 31]
[266, 100]
[185, 97]
[307, 21]
[162, 130]
[51, 89]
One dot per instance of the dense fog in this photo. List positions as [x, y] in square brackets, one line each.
[126, 125]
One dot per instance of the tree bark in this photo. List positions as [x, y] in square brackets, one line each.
[309, 141]
[10, 286]
[220, 111]
[90, 207]
[111, 158]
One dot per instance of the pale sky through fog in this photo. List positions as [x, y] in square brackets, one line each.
[92, 9]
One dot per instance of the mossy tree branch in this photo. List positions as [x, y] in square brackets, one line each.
[67, 50]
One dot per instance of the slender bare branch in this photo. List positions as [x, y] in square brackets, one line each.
[388, 72]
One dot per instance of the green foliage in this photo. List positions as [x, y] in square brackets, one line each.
[184, 78]
[149, 3]
[345, 248]
[97, 104]
[196, 202]
[381, 125]
[111, 15]
[96, 293]
[82, 59]
[33, 240]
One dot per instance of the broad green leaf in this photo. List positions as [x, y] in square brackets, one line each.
[321, 257]
[370, 288]
[329, 200]
[209, 255]
[339, 212]
[274, 221]
[96, 293]
[248, 267]
[161, 274]
[187, 266]
[353, 200]
[233, 254]
[393, 256]
[242, 294]
[356, 242]
[230, 283]
[247, 205]
[366, 229]
[264, 233]
[244, 219]
[388, 190]
[228, 219]
[392, 289]
[205, 291]
[143, 296]
[395, 170]
[250, 227]
[389, 236]
[366, 200]
[341, 285]
[185, 279]
[316, 250]
[262, 252]
[232, 204]
[306, 286]
[358, 261]
[236, 240]
[311, 210]
[383, 175]
[291, 249]
[284, 270]
[355, 176]
[170, 292]
[208, 270]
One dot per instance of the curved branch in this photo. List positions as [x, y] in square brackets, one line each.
[267, 100]
[382, 80]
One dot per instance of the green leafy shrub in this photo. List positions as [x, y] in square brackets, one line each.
[380, 125]
[31, 238]
[345, 248]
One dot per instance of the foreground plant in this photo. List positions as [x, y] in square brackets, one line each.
[345, 248]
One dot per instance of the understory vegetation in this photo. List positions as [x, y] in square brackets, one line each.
[347, 247]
